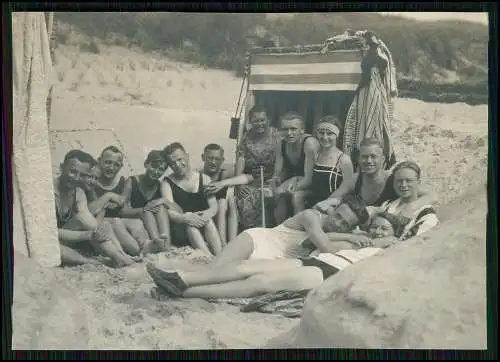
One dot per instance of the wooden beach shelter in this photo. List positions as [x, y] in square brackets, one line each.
[35, 230]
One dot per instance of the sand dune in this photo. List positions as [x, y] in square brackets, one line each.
[148, 102]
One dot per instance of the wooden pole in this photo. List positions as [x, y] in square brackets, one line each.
[263, 199]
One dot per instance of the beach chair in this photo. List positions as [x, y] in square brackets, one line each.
[313, 80]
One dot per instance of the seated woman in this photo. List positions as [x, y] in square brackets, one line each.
[101, 206]
[396, 221]
[144, 201]
[185, 187]
[333, 171]
[78, 228]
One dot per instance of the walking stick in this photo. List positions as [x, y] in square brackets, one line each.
[263, 205]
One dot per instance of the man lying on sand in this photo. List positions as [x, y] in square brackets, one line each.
[78, 229]
[388, 225]
[185, 187]
[250, 278]
[106, 202]
[213, 166]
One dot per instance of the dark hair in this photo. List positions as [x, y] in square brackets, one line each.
[213, 147]
[371, 141]
[171, 148]
[257, 109]
[358, 206]
[111, 148]
[407, 164]
[154, 155]
[79, 155]
[288, 116]
[330, 118]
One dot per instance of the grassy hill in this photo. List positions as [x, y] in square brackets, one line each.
[444, 61]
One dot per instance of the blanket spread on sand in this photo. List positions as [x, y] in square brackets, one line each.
[285, 303]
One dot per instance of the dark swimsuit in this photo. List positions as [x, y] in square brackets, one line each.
[72, 211]
[325, 180]
[387, 194]
[137, 198]
[222, 194]
[292, 169]
[189, 202]
[118, 189]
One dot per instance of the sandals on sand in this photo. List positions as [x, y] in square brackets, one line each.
[171, 282]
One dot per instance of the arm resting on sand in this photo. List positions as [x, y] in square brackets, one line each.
[72, 237]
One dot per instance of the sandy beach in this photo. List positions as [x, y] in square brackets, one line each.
[143, 102]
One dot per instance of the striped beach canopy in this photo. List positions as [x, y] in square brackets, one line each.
[339, 70]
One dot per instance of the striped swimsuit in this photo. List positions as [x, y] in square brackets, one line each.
[325, 180]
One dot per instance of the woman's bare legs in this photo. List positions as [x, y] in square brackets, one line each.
[221, 220]
[196, 239]
[232, 215]
[163, 225]
[71, 257]
[295, 279]
[212, 237]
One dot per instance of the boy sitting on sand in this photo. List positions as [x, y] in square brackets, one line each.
[213, 166]
[78, 228]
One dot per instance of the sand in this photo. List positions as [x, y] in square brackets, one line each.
[142, 102]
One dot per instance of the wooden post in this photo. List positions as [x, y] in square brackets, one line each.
[262, 196]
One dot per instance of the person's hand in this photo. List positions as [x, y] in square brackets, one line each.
[116, 200]
[278, 190]
[154, 205]
[214, 187]
[361, 241]
[102, 233]
[292, 186]
[373, 210]
[268, 192]
[194, 220]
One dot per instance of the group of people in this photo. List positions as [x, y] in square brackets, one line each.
[323, 214]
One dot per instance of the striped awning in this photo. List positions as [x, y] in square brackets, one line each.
[335, 71]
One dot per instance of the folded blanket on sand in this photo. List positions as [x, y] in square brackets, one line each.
[285, 303]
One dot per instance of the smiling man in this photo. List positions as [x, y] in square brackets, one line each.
[185, 187]
[295, 159]
[299, 235]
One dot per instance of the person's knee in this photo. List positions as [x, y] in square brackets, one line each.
[309, 277]
[298, 199]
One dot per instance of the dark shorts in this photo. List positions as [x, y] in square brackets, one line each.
[325, 268]
[222, 194]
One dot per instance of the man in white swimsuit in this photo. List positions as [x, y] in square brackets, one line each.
[299, 235]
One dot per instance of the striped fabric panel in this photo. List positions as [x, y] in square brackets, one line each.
[335, 71]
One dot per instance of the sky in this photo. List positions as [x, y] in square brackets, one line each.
[431, 16]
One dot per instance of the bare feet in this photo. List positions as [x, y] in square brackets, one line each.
[123, 262]
[148, 247]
